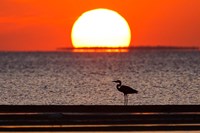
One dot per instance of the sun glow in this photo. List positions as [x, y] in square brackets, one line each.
[101, 28]
[100, 50]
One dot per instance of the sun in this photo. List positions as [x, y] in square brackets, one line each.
[101, 28]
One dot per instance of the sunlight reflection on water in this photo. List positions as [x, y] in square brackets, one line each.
[69, 78]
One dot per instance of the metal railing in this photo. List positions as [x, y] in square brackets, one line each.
[99, 118]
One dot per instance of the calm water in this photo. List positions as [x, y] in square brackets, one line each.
[160, 76]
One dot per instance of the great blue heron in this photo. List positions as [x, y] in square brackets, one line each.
[125, 89]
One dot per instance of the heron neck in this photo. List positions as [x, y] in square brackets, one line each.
[118, 86]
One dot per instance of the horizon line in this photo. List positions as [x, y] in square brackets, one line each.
[112, 48]
[134, 47]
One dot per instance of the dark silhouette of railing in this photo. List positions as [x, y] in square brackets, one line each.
[99, 118]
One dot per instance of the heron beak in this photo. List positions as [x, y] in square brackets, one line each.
[114, 81]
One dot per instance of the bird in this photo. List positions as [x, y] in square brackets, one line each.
[125, 89]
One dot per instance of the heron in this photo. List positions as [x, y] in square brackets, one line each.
[125, 89]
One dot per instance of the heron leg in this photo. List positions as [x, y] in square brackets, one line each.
[124, 99]
[127, 99]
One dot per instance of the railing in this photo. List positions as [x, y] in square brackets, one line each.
[99, 118]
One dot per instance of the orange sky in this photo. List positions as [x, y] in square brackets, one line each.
[28, 25]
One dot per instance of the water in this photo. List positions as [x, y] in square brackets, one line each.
[67, 78]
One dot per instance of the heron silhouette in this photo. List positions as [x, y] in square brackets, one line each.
[125, 89]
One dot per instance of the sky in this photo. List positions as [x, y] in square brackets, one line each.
[45, 25]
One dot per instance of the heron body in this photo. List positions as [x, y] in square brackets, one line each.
[125, 89]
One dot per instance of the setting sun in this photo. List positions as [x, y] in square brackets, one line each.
[101, 28]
